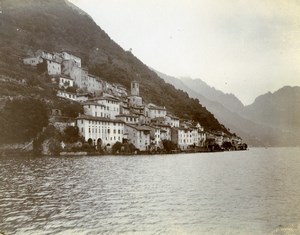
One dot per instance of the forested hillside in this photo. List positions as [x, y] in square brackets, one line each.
[26, 26]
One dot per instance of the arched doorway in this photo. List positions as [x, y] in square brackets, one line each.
[90, 141]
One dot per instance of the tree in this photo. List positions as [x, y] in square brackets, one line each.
[227, 145]
[71, 134]
[169, 145]
[116, 147]
[22, 119]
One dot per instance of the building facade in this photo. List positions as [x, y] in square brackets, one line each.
[99, 131]
[139, 136]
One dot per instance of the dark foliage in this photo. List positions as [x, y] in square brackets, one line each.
[51, 134]
[116, 148]
[169, 145]
[227, 145]
[22, 119]
[71, 134]
[68, 108]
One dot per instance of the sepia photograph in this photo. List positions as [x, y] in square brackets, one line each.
[146, 117]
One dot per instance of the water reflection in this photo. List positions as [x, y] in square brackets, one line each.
[250, 192]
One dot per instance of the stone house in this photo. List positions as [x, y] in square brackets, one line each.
[138, 135]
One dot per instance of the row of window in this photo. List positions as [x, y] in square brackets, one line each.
[104, 131]
[101, 123]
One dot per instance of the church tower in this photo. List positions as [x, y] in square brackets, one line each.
[135, 90]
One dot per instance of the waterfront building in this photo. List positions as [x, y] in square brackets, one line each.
[185, 138]
[138, 135]
[100, 131]
[155, 134]
[165, 131]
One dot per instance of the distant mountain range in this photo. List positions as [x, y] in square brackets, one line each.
[272, 120]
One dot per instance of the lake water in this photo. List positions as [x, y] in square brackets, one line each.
[249, 192]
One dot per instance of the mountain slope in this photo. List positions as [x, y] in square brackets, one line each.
[26, 26]
[280, 109]
[255, 130]
[229, 101]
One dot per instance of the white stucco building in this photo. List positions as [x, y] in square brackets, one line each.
[79, 97]
[65, 82]
[172, 120]
[100, 131]
[154, 111]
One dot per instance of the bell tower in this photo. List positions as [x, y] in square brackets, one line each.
[135, 88]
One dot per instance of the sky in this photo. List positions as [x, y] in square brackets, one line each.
[244, 47]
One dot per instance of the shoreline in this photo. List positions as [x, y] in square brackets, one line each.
[14, 153]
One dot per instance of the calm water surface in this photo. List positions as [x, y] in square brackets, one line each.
[250, 192]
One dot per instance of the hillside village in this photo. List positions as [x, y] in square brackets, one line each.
[112, 114]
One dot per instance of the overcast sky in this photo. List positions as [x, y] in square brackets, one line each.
[245, 47]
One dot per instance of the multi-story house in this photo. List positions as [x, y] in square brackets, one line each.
[154, 111]
[112, 105]
[94, 85]
[155, 134]
[65, 82]
[165, 131]
[79, 97]
[184, 137]
[97, 110]
[172, 120]
[128, 118]
[100, 131]
[53, 68]
[138, 135]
